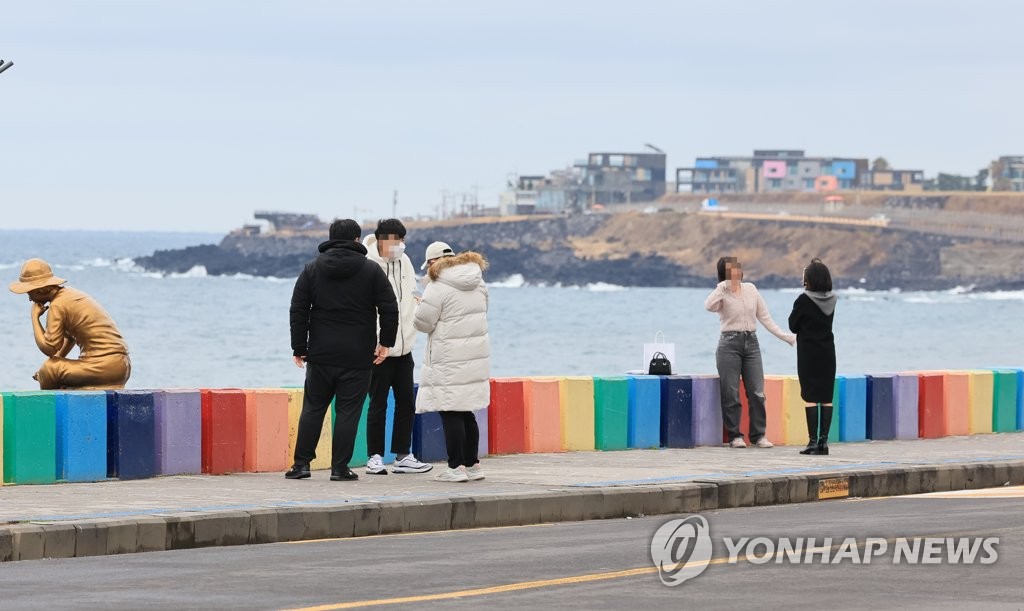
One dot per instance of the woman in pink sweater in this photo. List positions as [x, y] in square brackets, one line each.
[740, 306]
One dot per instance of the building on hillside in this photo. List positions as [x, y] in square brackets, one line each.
[770, 171]
[622, 178]
[1008, 173]
[894, 180]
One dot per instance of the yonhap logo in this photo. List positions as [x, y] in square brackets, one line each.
[681, 549]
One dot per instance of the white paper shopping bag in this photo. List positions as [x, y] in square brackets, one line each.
[659, 345]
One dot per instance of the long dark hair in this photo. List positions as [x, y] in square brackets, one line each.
[721, 266]
[817, 277]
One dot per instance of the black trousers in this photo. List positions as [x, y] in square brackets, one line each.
[394, 373]
[348, 388]
[461, 437]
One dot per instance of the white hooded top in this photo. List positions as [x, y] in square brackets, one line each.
[457, 363]
[402, 277]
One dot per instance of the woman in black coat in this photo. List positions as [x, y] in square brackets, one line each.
[811, 320]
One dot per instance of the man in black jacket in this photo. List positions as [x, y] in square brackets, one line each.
[337, 300]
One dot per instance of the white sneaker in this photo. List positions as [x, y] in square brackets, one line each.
[409, 464]
[375, 466]
[452, 475]
[737, 443]
[475, 473]
[764, 443]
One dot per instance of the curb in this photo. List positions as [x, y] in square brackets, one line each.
[188, 530]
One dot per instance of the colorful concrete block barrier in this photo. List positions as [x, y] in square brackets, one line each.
[644, 426]
[676, 425]
[323, 446]
[266, 431]
[707, 411]
[852, 407]
[507, 429]
[980, 384]
[1004, 400]
[131, 434]
[611, 413]
[223, 445]
[178, 416]
[543, 415]
[577, 399]
[774, 408]
[30, 431]
[81, 436]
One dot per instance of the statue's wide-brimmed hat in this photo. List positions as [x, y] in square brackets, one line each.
[35, 274]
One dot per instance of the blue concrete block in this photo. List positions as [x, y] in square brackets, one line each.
[428, 438]
[676, 419]
[131, 434]
[81, 436]
[853, 408]
[644, 426]
[881, 417]
[1020, 399]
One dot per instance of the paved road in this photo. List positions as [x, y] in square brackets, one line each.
[587, 565]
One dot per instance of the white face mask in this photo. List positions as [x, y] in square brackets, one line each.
[397, 251]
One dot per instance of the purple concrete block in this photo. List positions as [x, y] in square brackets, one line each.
[481, 422]
[178, 431]
[905, 408]
[707, 411]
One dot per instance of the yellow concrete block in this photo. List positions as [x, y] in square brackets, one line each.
[323, 447]
[577, 398]
[794, 415]
[981, 397]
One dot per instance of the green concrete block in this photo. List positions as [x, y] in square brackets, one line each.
[833, 431]
[30, 438]
[359, 449]
[611, 413]
[1004, 401]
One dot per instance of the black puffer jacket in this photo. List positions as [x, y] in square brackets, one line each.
[335, 305]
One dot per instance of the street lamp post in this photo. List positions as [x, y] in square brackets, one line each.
[5, 64]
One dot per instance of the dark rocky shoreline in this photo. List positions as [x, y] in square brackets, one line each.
[540, 251]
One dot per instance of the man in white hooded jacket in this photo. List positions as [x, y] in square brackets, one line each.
[387, 248]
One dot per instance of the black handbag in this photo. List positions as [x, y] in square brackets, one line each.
[660, 365]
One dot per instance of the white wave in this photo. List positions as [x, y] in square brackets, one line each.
[197, 271]
[998, 296]
[961, 290]
[98, 262]
[604, 287]
[514, 281]
[72, 268]
[919, 298]
[791, 291]
[853, 290]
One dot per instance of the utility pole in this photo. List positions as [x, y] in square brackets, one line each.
[394, 205]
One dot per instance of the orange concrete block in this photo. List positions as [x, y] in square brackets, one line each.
[543, 415]
[266, 434]
[323, 446]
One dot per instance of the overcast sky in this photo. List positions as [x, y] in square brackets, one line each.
[189, 115]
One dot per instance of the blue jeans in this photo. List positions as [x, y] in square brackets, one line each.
[739, 356]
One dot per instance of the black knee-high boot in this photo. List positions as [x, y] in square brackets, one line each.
[812, 430]
[826, 424]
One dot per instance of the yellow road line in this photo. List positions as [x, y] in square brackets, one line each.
[1012, 492]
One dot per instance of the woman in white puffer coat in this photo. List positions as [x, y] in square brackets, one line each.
[455, 379]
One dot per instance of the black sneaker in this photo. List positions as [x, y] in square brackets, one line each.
[298, 472]
[340, 476]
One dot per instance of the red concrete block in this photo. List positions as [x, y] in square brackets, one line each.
[543, 409]
[931, 406]
[266, 430]
[223, 448]
[506, 417]
[773, 408]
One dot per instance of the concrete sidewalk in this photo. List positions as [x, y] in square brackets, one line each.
[66, 520]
